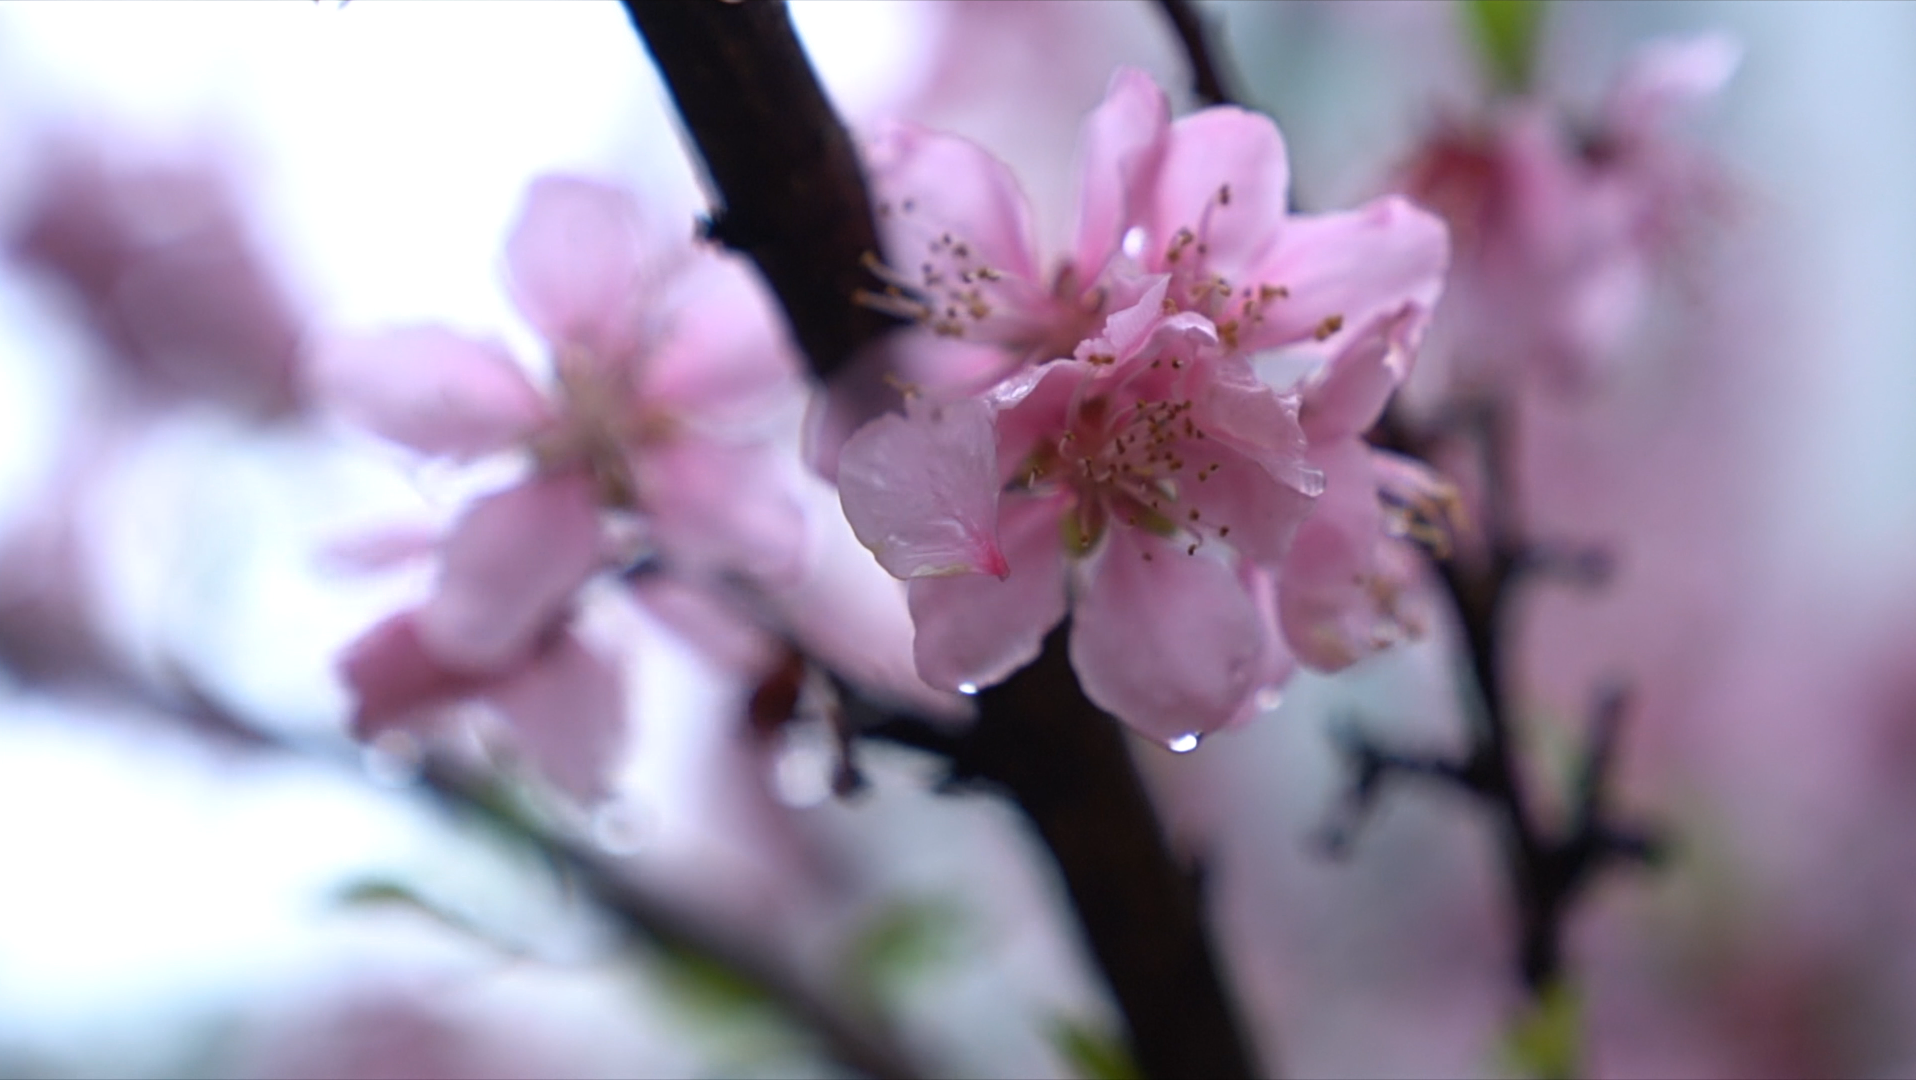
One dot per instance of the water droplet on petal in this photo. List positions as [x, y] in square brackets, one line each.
[1134, 241]
[1310, 481]
[968, 688]
[1184, 743]
[1270, 698]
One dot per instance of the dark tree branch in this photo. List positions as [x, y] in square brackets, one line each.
[859, 1042]
[790, 191]
[796, 202]
[1549, 869]
[1208, 75]
[1068, 767]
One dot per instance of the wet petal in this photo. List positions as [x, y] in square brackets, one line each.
[1167, 642]
[921, 491]
[573, 261]
[434, 390]
[852, 616]
[977, 629]
[1208, 152]
[1240, 502]
[567, 711]
[1119, 157]
[1349, 393]
[1034, 407]
[1324, 605]
[957, 230]
[511, 567]
[1343, 270]
[1238, 408]
[1275, 664]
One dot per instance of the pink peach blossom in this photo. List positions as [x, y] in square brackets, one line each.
[163, 263]
[662, 389]
[561, 700]
[1347, 582]
[1203, 200]
[1562, 229]
[1140, 488]
[652, 413]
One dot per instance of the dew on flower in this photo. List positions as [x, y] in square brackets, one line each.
[1185, 743]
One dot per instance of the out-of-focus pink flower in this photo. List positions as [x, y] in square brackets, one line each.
[1140, 486]
[161, 261]
[562, 701]
[1560, 230]
[1348, 580]
[1203, 200]
[652, 413]
[664, 385]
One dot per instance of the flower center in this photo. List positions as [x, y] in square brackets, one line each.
[1138, 464]
[599, 422]
[1196, 287]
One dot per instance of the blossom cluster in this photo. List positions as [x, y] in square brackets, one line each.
[1100, 442]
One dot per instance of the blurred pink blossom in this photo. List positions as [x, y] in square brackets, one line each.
[657, 415]
[562, 700]
[161, 261]
[1560, 230]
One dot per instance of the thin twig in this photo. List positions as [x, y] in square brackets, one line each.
[1068, 767]
[1208, 76]
[1549, 869]
[861, 1043]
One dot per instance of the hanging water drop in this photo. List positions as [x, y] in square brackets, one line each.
[969, 689]
[1133, 243]
[1269, 698]
[1184, 743]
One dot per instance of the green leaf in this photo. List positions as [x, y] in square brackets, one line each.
[384, 891]
[1096, 1054]
[1547, 1039]
[904, 941]
[707, 987]
[1506, 31]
